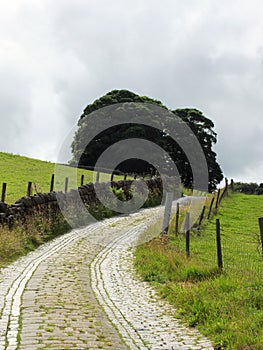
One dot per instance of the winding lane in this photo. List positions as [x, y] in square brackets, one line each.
[80, 291]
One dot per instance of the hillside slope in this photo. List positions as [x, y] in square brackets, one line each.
[17, 171]
[227, 305]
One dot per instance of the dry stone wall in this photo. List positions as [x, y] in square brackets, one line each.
[47, 203]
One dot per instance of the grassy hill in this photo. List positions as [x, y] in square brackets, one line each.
[17, 171]
[225, 305]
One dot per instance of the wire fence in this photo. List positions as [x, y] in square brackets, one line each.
[213, 242]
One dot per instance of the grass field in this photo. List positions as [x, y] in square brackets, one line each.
[17, 171]
[226, 306]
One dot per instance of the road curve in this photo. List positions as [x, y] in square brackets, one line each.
[80, 291]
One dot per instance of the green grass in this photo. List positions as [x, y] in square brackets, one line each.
[226, 306]
[17, 171]
[22, 239]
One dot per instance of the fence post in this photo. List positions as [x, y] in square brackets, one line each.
[201, 216]
[232, 185]
[177, 219]
[82, 180]
[167, 211]
[210, 207]
[260, 222]
[225, 193]
[98, 176]
[66, 184]
[3, 192]
[52, 183]
[217, 198]
[218, 244]
[187, 234]
[29, 188]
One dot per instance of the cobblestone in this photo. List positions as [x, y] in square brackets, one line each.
[80, 291]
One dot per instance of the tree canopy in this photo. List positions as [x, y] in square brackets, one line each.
[200, 127]
[248, 188]
[117, 96]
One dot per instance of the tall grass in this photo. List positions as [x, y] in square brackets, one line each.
[22, 239]
[227, 305]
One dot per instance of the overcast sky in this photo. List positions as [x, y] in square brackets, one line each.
[58, 56]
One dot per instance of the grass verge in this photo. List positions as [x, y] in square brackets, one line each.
[226, 306]
[22, 239]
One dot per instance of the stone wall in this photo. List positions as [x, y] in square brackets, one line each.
[47, 203]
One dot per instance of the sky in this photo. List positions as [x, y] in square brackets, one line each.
[58, 56]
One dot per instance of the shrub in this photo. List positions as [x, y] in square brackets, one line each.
[247, 188]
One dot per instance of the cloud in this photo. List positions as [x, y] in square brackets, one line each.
[58, 56]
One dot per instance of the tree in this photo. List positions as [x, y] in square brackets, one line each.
[248, 188]
[113, 134]
[117, 96]
[200, 126]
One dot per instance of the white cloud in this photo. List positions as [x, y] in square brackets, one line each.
[58, 56]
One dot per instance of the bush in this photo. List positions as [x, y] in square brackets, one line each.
[248, 188]
[119, 193]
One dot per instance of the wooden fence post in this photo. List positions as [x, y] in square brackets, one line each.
[225, 192]
[66, 184]
[3, 192]
[98, 176]
[82, 180]
[232, 185]
[201, 216]
[29, 188]
[217, 198]
[52, 183]
[187, 234]
[218, 244]
[210, 208]
[167, 211]
[260, 222]
[177, 219]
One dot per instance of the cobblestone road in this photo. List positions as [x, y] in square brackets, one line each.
[80, 292]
